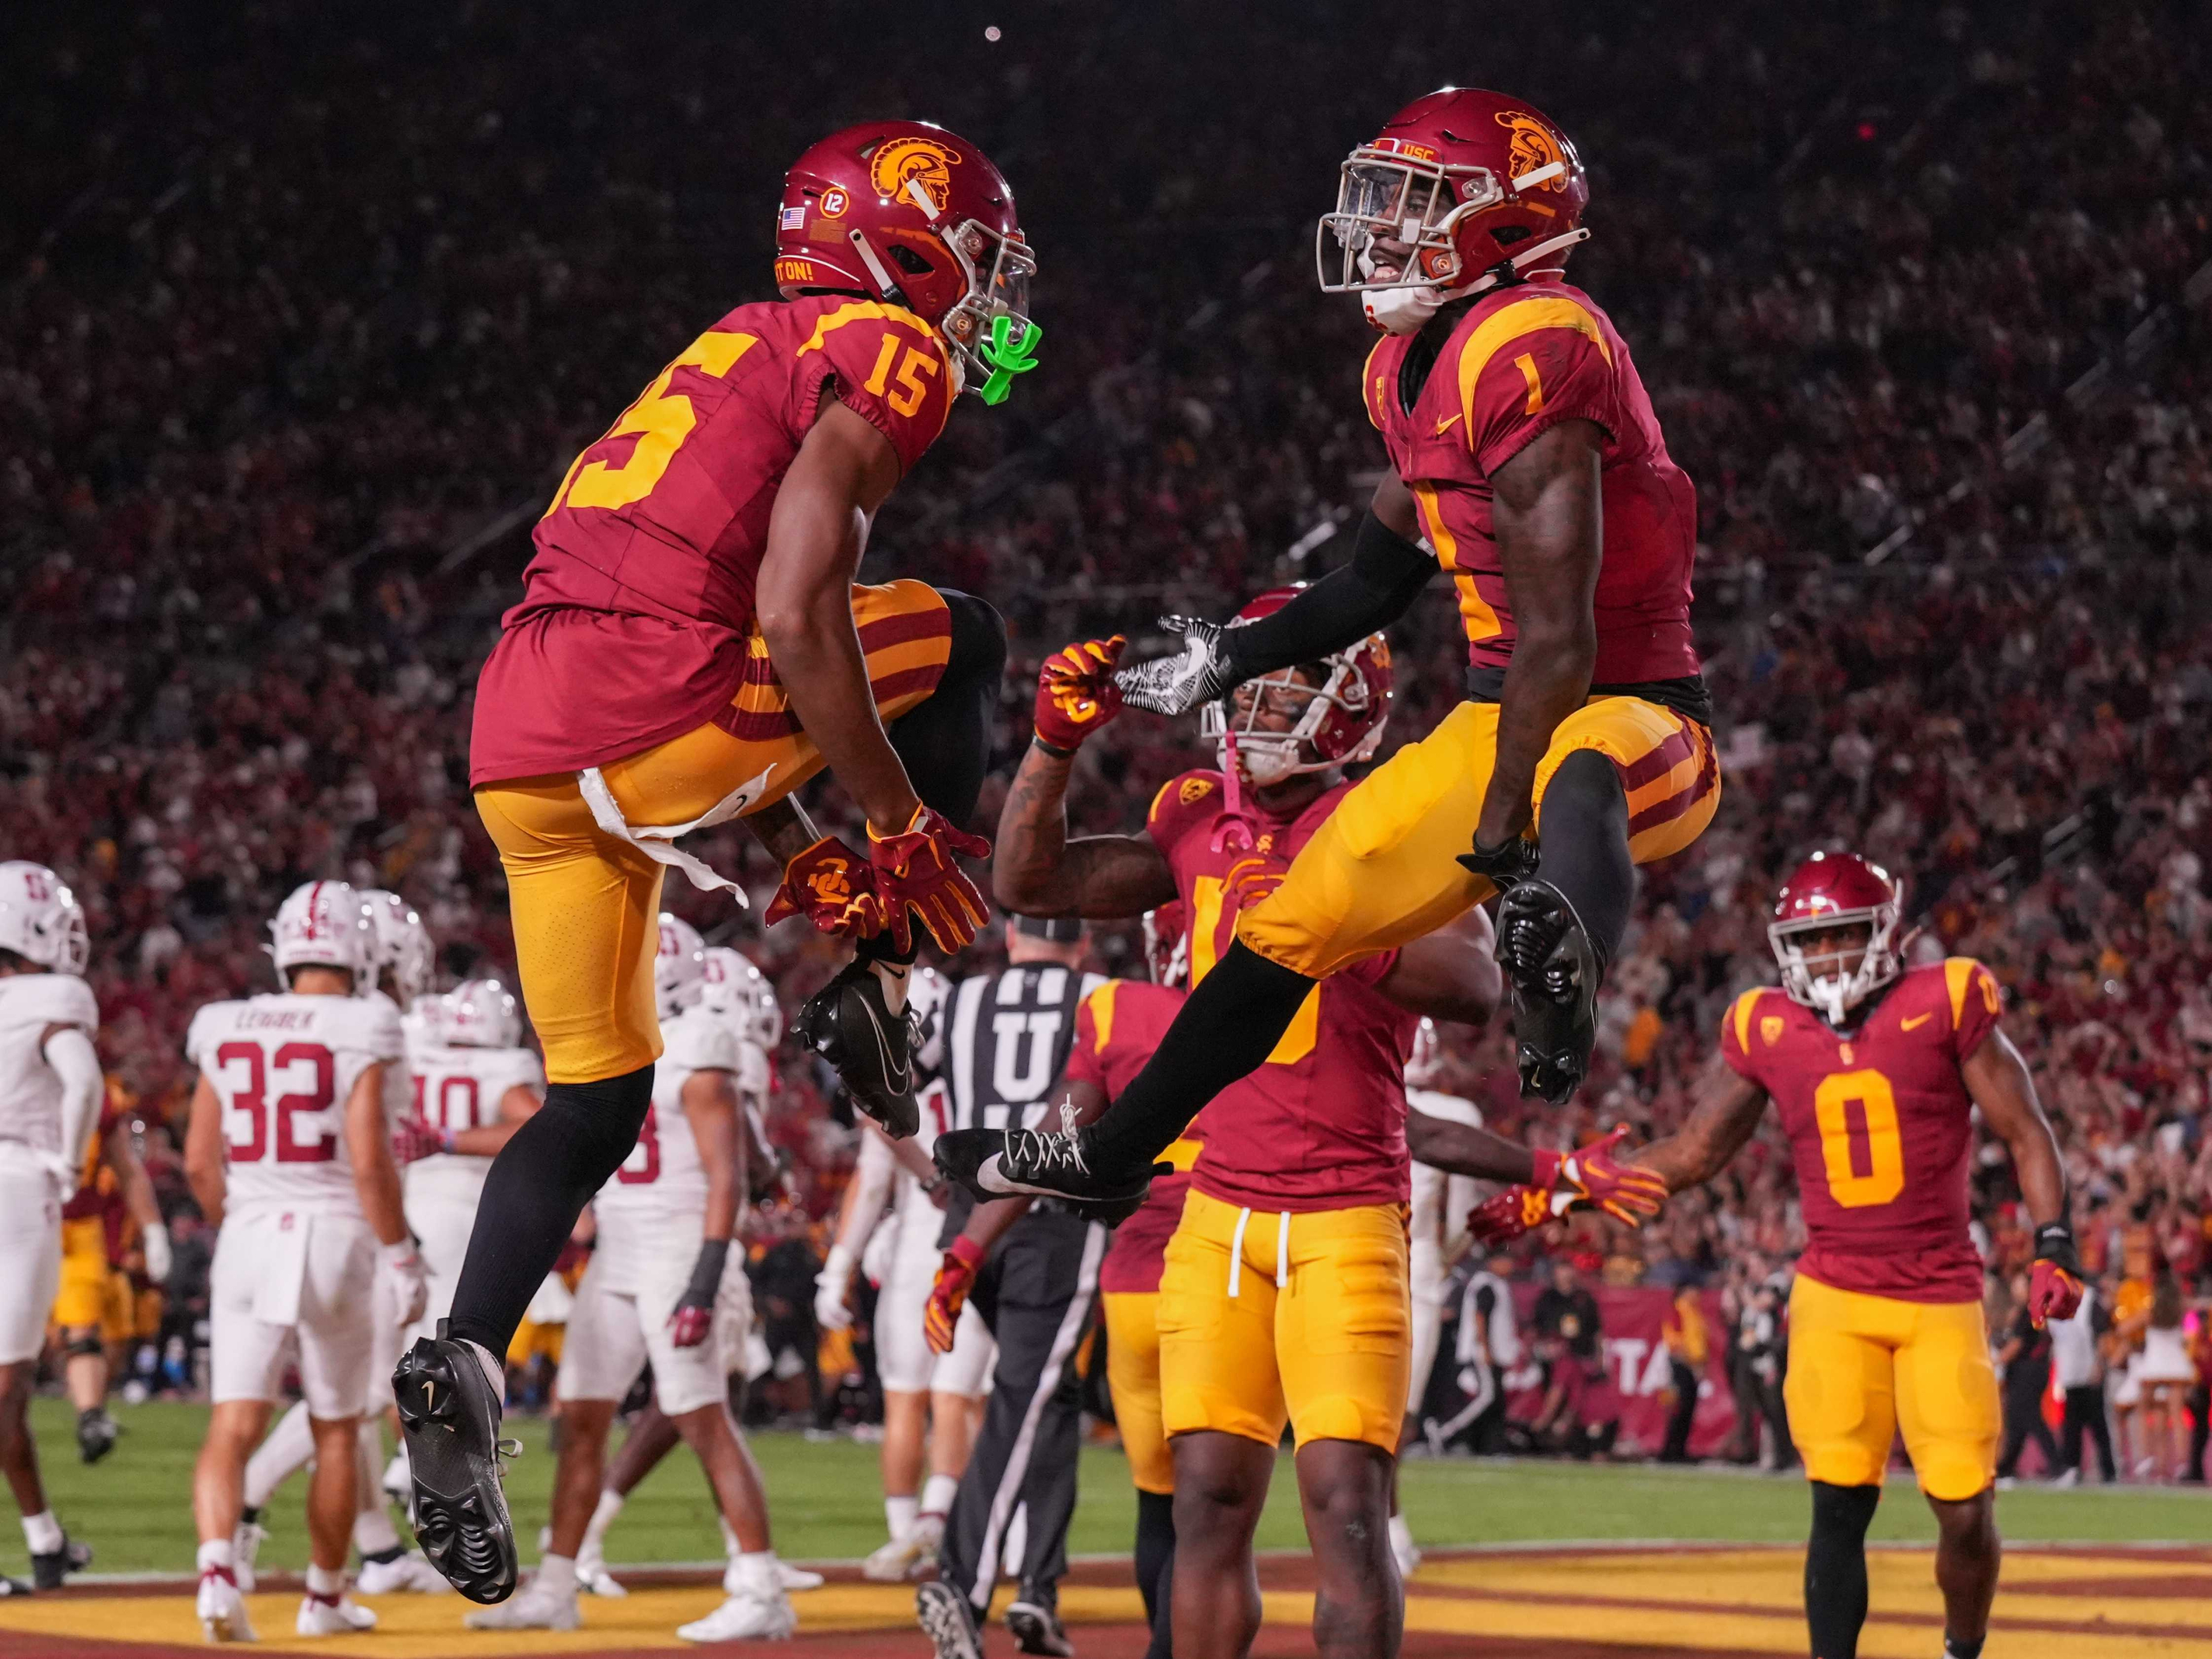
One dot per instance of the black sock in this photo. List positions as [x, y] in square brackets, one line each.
[1586, 847]
[383, 1557]
[945, 741]
[1835, 1567]
[1156, 1548]
[1230, 1025]
[538, 1186]
[250, 1515]
[1163, 1621]
[1954, 1649]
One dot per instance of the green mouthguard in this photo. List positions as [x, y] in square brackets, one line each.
[1006, 357]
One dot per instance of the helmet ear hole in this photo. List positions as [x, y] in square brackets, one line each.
[910, 262]
[1506, 235]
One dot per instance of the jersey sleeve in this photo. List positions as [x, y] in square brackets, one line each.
[66, 1000]
[383, 1037]
[697, 1044]
[752, 1070]
[1182, 803]
[527, 1070]
[1976, 1003]
[1094, 1028]
[889, 367]
[1527, 367]
[1736, 1036]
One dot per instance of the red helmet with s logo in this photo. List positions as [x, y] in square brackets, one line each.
[917, 216]
[1340, 725]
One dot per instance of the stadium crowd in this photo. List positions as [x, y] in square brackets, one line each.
[1935, 341]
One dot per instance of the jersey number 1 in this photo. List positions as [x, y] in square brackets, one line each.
[1860, 1146]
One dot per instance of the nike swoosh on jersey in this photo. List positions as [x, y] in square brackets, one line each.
[1917, 1020]
[1445, 425]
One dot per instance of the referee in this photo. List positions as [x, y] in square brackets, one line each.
[1035, 1271]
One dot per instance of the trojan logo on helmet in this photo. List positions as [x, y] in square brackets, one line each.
[913, 215]
[1461, 191]
[1339, 719]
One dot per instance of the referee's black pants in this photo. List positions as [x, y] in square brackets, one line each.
[1037, 1292]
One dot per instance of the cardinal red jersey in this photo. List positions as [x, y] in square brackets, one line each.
[1321, 1125]
[1523, 360]
[636, 608]
[96, 1186]
[1880, 1126]
[1115, 1030]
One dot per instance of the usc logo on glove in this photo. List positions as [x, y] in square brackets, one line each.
[831, 884]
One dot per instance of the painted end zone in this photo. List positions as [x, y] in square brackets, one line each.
[1568, 1603]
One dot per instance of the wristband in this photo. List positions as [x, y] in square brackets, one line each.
[2055, 1245]
[1052, 749]
[1546, 1164]
[707, 1274]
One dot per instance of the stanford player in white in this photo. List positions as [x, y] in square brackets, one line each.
[50, 1095]
[404, 960]
[664, 1287]
[925, 1396]
[289, 1152]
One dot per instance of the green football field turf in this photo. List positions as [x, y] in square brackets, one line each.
[135, 1508]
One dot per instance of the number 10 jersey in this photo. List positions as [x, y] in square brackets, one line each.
[1880, 1126]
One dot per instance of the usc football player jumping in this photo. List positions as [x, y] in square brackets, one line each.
[689, 649]
[1525, 450]
[1877, 1070]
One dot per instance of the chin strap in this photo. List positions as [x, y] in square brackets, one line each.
[1234, 832]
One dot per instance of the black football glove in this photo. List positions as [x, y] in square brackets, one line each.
[1175, 685]
[1506, 866]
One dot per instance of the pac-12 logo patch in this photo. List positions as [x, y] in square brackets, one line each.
[925, 161]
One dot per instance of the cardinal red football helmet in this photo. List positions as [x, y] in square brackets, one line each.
[1831, 890]
[913, 215]
[1475, 186]
[1167, 942]
[1340, 724]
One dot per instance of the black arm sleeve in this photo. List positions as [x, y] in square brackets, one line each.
[1386, 574]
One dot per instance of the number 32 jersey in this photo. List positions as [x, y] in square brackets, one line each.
[1880, 1126]
[637, 609]
[283, 1067]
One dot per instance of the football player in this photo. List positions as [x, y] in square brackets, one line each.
[689, 648]
[96, 1306]
[931, 1400]
[1876, 1070]
[1292, 1235]
[1525, 454]
[288, 1151]
[665, 1288]
[50, 1094]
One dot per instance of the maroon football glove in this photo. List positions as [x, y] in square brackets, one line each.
[832, 887]
[917, 874]
[1592, 1174]
[2055, 1281]
[1508, 1215]
[412, 1138]
[1075, 693]
[955, 1277]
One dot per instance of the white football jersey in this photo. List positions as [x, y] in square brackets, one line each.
[1441, 1201]
[656, 1204]
[30, 1090]
[461, 1088]
[283, 1067]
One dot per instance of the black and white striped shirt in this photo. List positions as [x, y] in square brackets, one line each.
[1008, 1037]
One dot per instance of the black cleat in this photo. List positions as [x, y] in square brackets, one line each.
[96, 1433]
[847, 1023]
[948, 1622]
[1005, 1163]
[1554, 971]
[1037, 1629]
[48, 1571]
[449, 1417]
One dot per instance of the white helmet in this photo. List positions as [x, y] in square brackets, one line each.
[680, 967]
[403, 946]
[1425, 1065]
[479, 1014]
[326, 925]
[40, 919]
[735, 987]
